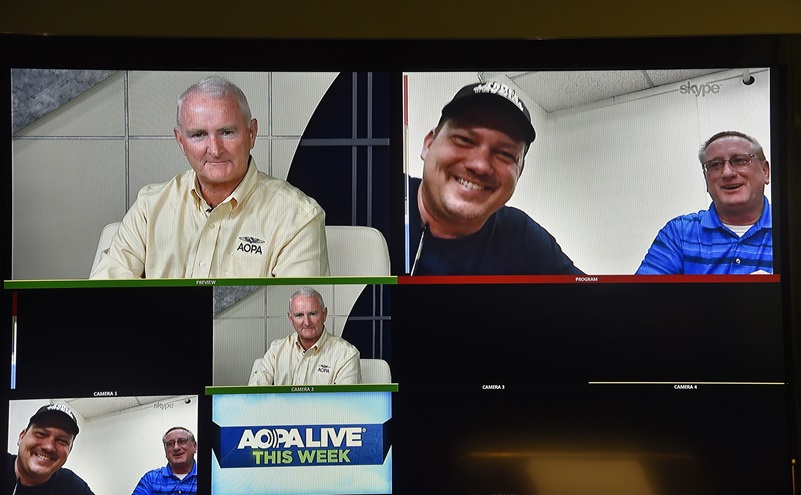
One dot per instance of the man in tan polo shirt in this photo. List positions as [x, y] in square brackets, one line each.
[221, 218]
[310, 355]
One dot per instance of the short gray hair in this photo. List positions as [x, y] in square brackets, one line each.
[218, 87]
[306, 292]
[191, 436]
[754, 144]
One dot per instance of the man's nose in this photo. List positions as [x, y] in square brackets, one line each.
[479, 161]
[48, 444]
[214, 145]
[728, 169]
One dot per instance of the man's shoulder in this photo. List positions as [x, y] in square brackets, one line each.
[283, 190]
[694, 216]
[10, 460]
[67, 482]
[155, 476]
[184, 180]
[63, 481]
[283, 341]
[511, 220]
[512, 213]
[695, 219]
[333, 340]
[157, 472]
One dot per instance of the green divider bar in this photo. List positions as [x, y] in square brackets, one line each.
[184, 282]
[302, 389]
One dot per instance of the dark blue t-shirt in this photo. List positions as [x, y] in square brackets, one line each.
[63, 482]
[509, 243]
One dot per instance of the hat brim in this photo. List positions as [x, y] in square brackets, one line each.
[456, 106]
[55, 418]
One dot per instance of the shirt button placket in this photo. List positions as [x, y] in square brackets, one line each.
[207, 246]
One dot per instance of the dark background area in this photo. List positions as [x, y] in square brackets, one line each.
[411, 18]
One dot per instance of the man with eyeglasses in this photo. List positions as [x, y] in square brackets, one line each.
[44, 446]
[734, 236]
[180, 473]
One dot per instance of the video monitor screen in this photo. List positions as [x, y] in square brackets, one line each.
[614, 159]
[539, 275]
[86, 143]
[138, 422]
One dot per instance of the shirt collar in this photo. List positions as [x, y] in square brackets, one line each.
[236, 197]
[168, 471]
[710, 220]
[317, 345]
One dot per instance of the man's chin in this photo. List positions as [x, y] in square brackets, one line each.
[733, 202]
[43, 470]
[467, 212]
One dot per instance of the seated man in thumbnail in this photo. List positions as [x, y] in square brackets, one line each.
[735, 235]
[222, 217]
[44, 446]
[310, 355]
[180, 473]
[472, 161]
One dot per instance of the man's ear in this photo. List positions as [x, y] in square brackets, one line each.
[179, 139]
[254, 131]
[427, 143]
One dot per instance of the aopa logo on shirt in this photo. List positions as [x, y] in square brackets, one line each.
[250, 245]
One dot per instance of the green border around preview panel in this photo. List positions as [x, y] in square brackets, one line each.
[182, 282]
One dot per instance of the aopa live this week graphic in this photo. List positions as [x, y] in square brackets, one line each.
[300, 445]
[333, 439]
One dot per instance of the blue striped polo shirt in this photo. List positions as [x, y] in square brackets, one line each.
[161, 481]
[698, 243]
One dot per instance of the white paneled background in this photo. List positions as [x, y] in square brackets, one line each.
[80, 167]
[120, 437]
[615, 156]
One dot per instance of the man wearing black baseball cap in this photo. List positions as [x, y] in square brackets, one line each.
[44, 446]
[471, 163]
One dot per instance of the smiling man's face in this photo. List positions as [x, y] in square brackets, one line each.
[470, 169]
[216, 138]
[43, 449]
[180, 448]
[737, 194]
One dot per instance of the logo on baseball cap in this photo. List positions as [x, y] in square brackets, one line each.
[57, 412]
[493, 91]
